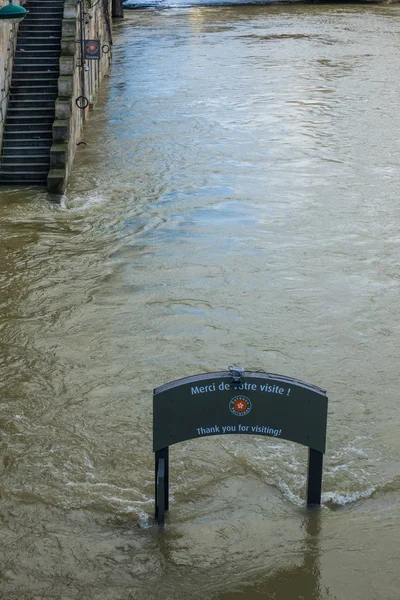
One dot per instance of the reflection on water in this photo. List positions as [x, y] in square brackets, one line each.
[235, 204]
[302, 579]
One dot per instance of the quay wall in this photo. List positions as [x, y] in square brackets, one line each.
[78, 82]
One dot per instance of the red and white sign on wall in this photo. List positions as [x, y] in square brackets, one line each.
[91, 50]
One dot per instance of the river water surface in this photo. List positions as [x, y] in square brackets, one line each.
[237, 202]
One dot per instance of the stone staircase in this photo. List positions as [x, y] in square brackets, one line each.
[28, 136]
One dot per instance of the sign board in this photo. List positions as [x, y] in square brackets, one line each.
[238, 402]
[262, 404]
[91, 50]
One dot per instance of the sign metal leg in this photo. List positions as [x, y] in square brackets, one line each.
[166, 493]
[161, 484]
[314, 484]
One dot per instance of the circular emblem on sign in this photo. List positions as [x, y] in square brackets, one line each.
[92, 47]
[240, 406]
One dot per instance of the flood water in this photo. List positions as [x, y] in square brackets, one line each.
[236, 203]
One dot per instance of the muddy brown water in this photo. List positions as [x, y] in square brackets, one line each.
[236, 203]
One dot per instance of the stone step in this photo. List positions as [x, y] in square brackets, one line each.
[29, 52]
[52, 7]
[36, 104]
[22, 93]
[39, 134]
[19, 146]
[51, 64]
[36, 15]
[33, 39]
[39, 29]
[37, 44]
[40, 161]
[33, 111]
[44, 84]
[34, 61]
[27, 30]
[28, 158]
[38, 3]
[44, 8]
[19, 167]
[39, 94]
[29, 121]
[35, 64]
[29, 57]
[34, 93]
[38, 24]
[14, 111]
[34, 32]
[45, 2]
[33, 5]
[29, 49]
[22, 177]
[40, 20]
[39, 37]
[30, 77]
[26, 40]
[38, 86]
[50, 10]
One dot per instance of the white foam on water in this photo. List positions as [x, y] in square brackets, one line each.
[289, 494]
[144, 520]
[81, 204]
[64, 203]
[101, 485]
[341, 499]
[357, 451]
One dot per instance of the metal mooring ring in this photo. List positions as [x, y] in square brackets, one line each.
[85, 102]
[105, 49]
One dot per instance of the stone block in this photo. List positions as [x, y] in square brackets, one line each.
[70, 9]
[61, 130]
[69, 28]
[67, 64]
[68, 46]
[63, 108]
[59, 156]
[65, 86]
[57, 181]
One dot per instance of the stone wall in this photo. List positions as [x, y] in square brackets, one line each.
[78, 82]
[8, 38]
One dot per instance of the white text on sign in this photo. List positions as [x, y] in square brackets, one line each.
[250, 387]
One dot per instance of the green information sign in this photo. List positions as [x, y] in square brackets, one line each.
[245, 403]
